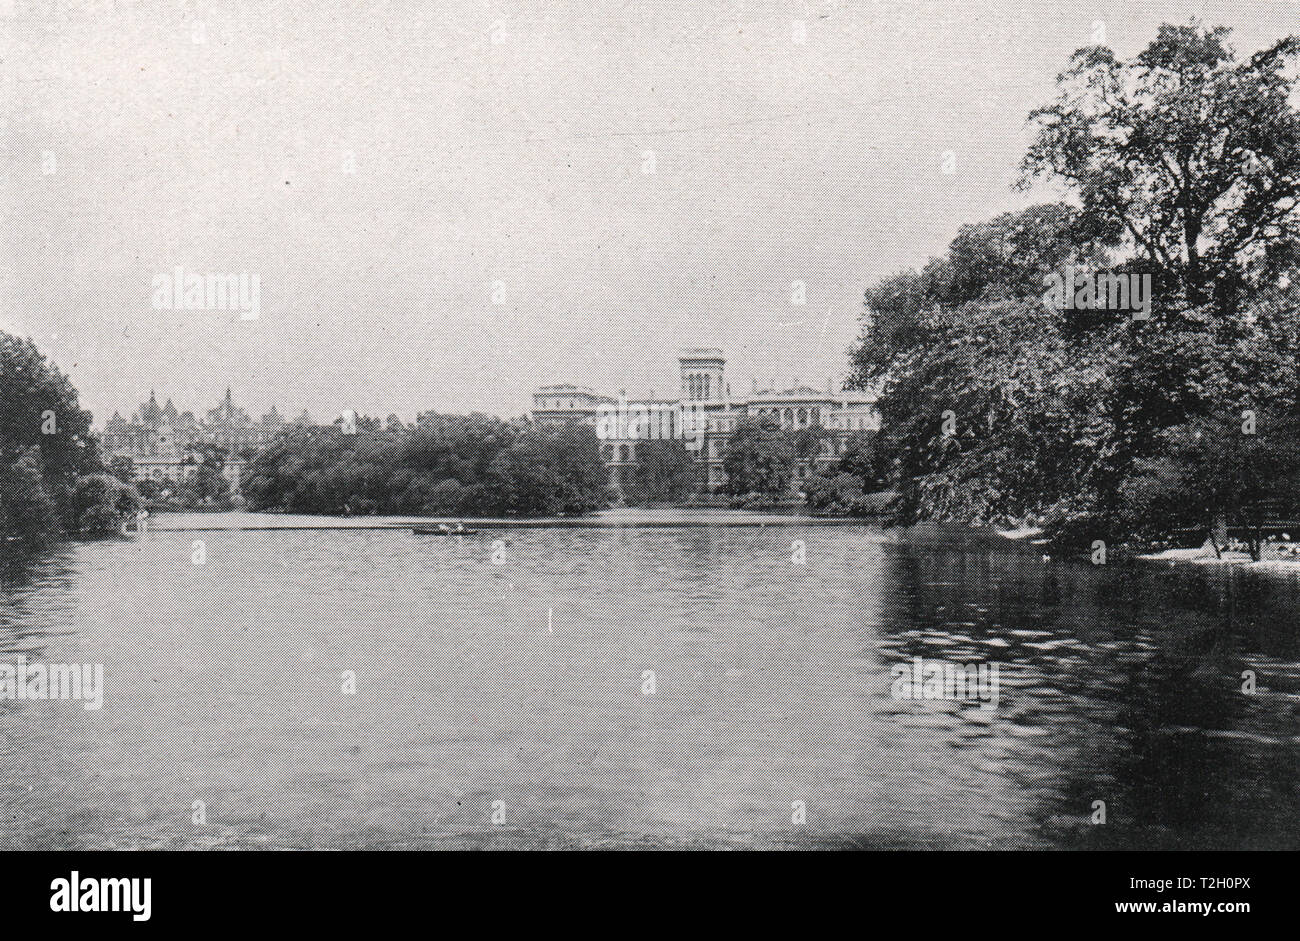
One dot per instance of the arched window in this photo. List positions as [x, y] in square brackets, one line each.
[708, 383]
[803, 417]
[816, 416]
[789, 418]
[623, 453]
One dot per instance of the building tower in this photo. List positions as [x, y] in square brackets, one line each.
[702, 374]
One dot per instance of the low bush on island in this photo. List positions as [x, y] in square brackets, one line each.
[469, 465]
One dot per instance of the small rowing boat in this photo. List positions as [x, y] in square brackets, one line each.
[442, 531]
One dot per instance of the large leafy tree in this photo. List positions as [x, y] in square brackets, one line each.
[46, 445]
[1182, 164]
[207, 482]
[664, 472]
[1005, 258]
[39, 408]
[1186, 155]
[988, 396]
[760, 457]
[550, 470]
[27, 511]
[867, 457]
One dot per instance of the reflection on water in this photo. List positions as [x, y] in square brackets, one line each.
[523, 683]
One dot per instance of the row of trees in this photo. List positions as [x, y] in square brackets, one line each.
[446, 464]
[478, 465]
[1182, 166]
[202, 486]
[761, 462]
[51, 476]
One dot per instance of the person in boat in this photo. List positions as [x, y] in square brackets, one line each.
[460, 527]
[442, 528]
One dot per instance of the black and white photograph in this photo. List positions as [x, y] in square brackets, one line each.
[777, 426]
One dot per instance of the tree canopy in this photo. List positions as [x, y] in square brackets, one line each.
[1182, 164]
[51, 477]
[446, 464]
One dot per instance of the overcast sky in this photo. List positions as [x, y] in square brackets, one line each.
[505, 142]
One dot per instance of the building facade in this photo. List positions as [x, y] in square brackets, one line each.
[158, 439]
[710, 413]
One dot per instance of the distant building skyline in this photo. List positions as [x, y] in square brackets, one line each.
[159, 439]
[224, 415]
[705, 413]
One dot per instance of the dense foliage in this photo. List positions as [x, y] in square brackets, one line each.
[51, 478]
[760, 457]
[1182, 165]
[665, 472]
[854, 485]
[444, 465]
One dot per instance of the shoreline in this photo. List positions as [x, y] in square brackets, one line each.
[702, 518]
[1203, 556]
[1199, 555]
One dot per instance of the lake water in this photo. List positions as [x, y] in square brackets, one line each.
[525, 683]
